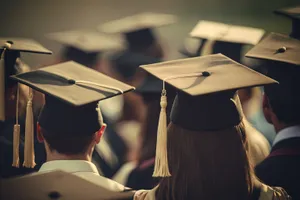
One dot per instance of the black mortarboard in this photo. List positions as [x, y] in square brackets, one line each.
[292, 13]
[58, 185]
[138, 28]
[277, 47]
[72, 92]
[205, 100]
[84, 46]
[228, 39]
[70, 88]
[10, 49]
[227, 33]
[126, 63]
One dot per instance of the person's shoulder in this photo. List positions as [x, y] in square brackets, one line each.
[145, 194]
[273, 193]
[102, 181]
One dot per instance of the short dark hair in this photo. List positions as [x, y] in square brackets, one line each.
[284, 97]
[66, 143]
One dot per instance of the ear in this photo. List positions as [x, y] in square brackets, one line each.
[267, 109]
[40, 136]
[100, 133]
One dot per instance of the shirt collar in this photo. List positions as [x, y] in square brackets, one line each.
[71, 166]
[287, 133]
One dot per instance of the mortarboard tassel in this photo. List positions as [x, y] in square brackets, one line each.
[16, 133]
[161, 168]
[16, 141]
[29, 135]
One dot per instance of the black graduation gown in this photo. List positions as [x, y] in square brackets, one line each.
[141, 176]
[283, 169]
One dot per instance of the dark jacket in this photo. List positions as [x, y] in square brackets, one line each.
[282, 167]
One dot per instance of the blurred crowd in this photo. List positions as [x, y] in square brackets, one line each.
[219, 122]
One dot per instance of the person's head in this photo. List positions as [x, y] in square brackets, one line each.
[292, 13]
[68, 130]
[281, 103]
[205, 156]
[279, 54]
[71, 112]
[207, 152]
[145, 42]
[207, 164]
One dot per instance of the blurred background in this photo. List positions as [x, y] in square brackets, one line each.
[34, 19]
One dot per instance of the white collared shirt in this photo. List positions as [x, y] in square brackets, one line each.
[287, 133]
[84, 169]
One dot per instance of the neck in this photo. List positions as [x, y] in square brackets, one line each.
[57, 156]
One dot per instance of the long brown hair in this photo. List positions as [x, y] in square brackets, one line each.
[207, 165]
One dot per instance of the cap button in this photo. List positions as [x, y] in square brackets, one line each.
[54, 195]
[205, 73]
[281, 50]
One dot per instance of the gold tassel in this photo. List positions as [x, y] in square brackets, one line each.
[161, 168]
[16, 141]
[29, 136]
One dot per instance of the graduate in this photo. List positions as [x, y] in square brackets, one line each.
[281, 107]
[143, 47]
[70, 123]
[12, 117]
[292, 13]
[203, 154]
[231, 41]
[86, 47]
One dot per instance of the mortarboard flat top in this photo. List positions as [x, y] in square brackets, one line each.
[192, 47]
[88, 41]
[146, 20]
[58, 81]
[277, 47]
[291, 12]
[24, 45]
[57, 185]
[223, 74]
[227, 33]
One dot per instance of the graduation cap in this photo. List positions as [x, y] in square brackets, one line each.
[9, 64]
[227, 39]
[10, 49]
[126, 63]
[204, 102]
[84, 46]
[72, 92]
[57, 185]
[277, 47]
[292, 13]
[138, 28]
[192, 47]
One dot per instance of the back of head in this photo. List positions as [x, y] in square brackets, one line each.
[206, 165]
[284, 98]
